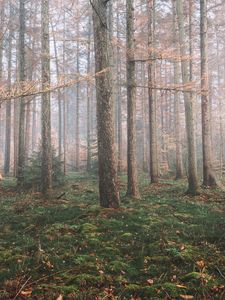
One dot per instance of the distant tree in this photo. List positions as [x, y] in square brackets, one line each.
[108, 186]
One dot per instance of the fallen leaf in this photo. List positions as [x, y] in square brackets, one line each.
[187, 297]
[26, 293]
[60, 297]
[181, 286]
[200, 264]
[150, 281]
[182, 247]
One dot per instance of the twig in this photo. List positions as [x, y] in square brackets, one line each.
[221, 274]
[48, 276]
[22, 287]
[60, 196]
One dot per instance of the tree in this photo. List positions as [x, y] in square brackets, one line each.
[8, 104]
[108, 186]
[132, 181]
[154, 174]
[179, 158]
[46, 114]
[189, 111]
[21, 142]
[208, 176]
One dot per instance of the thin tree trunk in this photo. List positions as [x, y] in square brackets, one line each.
[21, 142]
[34, 125]
[46, 109]
[58, 96]
[132, 180]
[189, 110]
[154, 172]
[119, 96]
[220, 106]
[208, 176]
[77, 138]
[179, 159]
[8, 104]
[89, 98]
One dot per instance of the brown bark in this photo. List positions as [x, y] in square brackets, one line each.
[132, 177]
[208, 176]
[77, 137]
[89, 98]
[179, 158]
[108, 186]
[45, 114]
[154, 172]
[189, 107]
[8, 104]
[21, 142]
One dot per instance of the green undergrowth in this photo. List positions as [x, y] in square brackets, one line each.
[165, 246]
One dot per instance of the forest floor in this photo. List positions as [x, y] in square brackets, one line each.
[165, 246]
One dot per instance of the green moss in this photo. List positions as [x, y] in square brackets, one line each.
[159, 238]
[87, 279]
[127, 236]
[88, 229]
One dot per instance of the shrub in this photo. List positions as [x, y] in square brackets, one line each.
[32, 172]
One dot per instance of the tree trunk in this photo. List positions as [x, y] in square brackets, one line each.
[21, 142]
[154, 172]
[208, 176]
[89, 98]
[58, 96]
[77, 141]
[119, 96]
[8, 104]
[189, 110]
[179, 159]
[132, 180]
[108, 186]
[46, 110]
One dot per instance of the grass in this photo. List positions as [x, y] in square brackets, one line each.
[165, 246]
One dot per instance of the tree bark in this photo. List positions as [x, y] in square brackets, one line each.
[77, 138]
[154, 172]
[21, 142]
[132, 176]
[179, 158]
[89, 98]
[208, 176]
[193, 187]
[108, 186]
[46, 110]
[9, 103]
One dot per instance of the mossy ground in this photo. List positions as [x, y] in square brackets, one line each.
[165, 246]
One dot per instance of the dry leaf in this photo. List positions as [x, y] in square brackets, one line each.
[60, 297]
[181, 286]
[26, 293]
[150, 281]
[182, 247]
[200, 264]
[187, 297]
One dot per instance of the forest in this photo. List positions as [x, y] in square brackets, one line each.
[112, 150]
